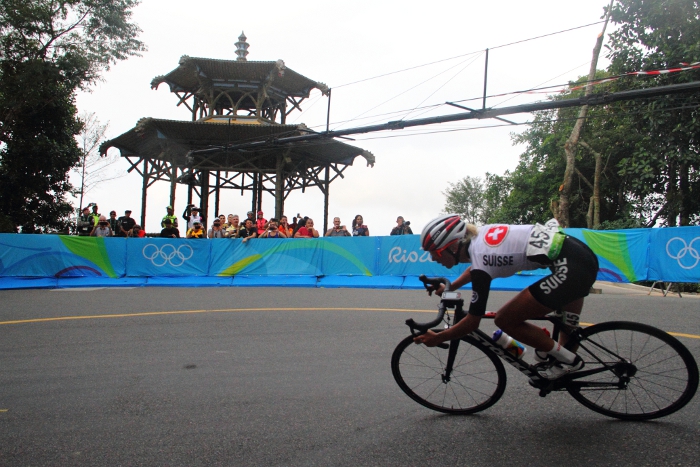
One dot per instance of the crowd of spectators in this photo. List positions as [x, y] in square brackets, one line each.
[92, 223]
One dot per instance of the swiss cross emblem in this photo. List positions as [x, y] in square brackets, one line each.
[495, 235]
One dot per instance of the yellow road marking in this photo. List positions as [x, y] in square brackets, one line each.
[4, 410]
[239, 310]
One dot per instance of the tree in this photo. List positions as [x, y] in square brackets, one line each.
[466, 198]
[48, 50]
[637, 162]
[93, 168]
[570, 146]
[665, 162]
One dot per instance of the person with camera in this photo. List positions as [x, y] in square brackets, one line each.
[196, 231]
[102, 229]
[216, 230]
[191, 215]
[402, 228]
[137, 232]
[358, 228]
[234, 229]
[273, 230]
[337, 230]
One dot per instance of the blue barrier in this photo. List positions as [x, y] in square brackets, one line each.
[47, 261]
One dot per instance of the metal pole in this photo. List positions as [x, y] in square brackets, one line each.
[593, 99]
[143, 194]
[486, 73]
[328, 113]
[325, 200]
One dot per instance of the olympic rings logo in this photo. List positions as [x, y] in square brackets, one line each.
[686, 249]
[167, 254]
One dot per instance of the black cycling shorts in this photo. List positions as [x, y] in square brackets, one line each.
[573, 273]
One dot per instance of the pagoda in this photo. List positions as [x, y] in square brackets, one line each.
[234, 102]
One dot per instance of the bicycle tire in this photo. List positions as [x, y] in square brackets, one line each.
[478, 378]
[663, 378]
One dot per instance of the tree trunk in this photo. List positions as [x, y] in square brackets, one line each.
[570, 145]
[594, 207]
[683, 194]
[671, 195]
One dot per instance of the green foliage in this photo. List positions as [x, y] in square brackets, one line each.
[649, 147]
[48, 50]
[466, 198]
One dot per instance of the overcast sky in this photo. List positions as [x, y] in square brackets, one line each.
[342, 42]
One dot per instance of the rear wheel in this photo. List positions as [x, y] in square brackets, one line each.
[477, 381]
[652, 373]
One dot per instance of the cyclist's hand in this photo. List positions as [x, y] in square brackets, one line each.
[429, 338]
[438, 291]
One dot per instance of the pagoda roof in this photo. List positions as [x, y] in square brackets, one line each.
[193, 72]
[172, 140]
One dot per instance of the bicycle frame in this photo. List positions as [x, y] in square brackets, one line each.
[621, 368]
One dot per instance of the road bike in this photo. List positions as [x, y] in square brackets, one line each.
[632, 371]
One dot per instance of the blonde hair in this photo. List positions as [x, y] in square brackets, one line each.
[469, 234]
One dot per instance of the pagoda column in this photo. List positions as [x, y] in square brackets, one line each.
[279, 187]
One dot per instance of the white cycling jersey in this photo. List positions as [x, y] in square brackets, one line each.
[501, 250]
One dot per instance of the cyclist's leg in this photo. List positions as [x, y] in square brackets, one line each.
[512, 317]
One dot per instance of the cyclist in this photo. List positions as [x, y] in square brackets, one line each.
[501, 250]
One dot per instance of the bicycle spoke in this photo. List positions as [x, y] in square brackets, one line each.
[657, 375]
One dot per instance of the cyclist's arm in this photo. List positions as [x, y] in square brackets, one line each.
[463, 279]
[466, 326]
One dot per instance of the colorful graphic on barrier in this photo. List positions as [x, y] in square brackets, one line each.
[671, 254]
[622, 255]
[61, 256]
[343, 256]
[676, 253]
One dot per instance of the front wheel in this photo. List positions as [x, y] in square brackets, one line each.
[477, 381]
[643, 372]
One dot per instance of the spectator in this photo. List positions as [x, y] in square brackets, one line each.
[95, 215]
[337, 230]
[250, 231]
[216, 231]
[191, 215]
[273, 230]
[307, 231]
[126, 223]
[169, 231]
[261, 223]
[234, 229]
[113, 222]
[358, 228]
[102, 228]
[222, 220]
[251, 216]
[300, 222]
[402, 228]
[137, 232]
[285, 227]
[85, 223]
[173, 218]
[196, 231]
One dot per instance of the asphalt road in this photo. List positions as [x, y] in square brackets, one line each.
[287, 377]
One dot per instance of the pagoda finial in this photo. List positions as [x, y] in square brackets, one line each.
[242, 48]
